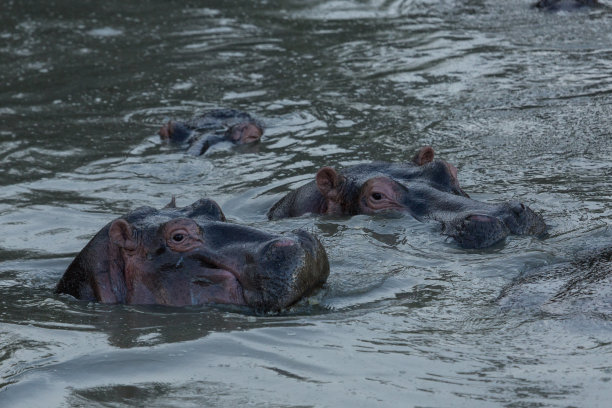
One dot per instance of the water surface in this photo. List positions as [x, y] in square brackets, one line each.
[520, 101]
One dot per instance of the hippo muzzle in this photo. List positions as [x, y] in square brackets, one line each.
[271, 275]
[483, 225]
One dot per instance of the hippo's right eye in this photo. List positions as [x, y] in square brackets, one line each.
[182, 235]
[377, 196]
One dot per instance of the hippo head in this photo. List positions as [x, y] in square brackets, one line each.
[373, 187]
[244, 133]
[241, 133]
[424, 188]
[191, 256]
[212, 127]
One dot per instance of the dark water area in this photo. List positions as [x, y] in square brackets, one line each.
[519, 100]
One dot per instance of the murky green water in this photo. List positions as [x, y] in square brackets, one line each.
[519, 101]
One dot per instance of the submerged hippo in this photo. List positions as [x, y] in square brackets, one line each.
[558, 5]
[583, 285]
[191, 256]
[212, 127]
[425, 188]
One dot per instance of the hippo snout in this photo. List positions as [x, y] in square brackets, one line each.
[476, 230]
[522, 220]
[493, 224]
[284, 270]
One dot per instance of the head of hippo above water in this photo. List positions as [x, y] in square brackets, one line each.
[424, 188]
[191, 256]
[212, 127]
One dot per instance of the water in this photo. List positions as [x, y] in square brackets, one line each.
[519, 101]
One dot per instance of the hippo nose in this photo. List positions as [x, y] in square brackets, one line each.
[521, 219]
[289, 268]
[285, 248]
[277, 254]
[517, 207]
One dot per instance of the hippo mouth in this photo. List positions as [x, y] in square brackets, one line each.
[216, 283]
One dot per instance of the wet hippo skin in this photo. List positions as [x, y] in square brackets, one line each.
[580, 286]
[566, 5]
[212, 127]
[425, 188]
[191, 256]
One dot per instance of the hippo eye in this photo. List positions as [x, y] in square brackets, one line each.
[182, 235]
[377, 196]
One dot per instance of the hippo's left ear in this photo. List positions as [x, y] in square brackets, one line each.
[121, 234]
[172, 203]
[328, 182]
[424, 155]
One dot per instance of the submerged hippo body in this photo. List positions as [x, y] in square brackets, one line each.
[212, 127]
[425, 188]
[567, 5]
[191, 256]
[581, 286]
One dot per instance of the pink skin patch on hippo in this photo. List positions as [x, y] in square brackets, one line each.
[378, 194]
[283, 243]
[480, 218]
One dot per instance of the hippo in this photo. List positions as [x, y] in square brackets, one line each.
[179, 256]
[424, 188]
[567, 5]
[582, 285]
[212, 127]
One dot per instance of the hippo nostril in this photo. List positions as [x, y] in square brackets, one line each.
[278, 248]
[283, 243]
[474, 218]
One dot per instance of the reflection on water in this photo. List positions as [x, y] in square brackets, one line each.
[520, 101]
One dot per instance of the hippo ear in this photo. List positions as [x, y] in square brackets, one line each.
[328, 181]
[121, 234]
[424, 155]
[166, 131]
[172, 203]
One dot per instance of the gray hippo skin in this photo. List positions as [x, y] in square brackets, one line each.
[565, 5]
[212, 127]
[581, 286]
[191, 256]
[425, 188]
